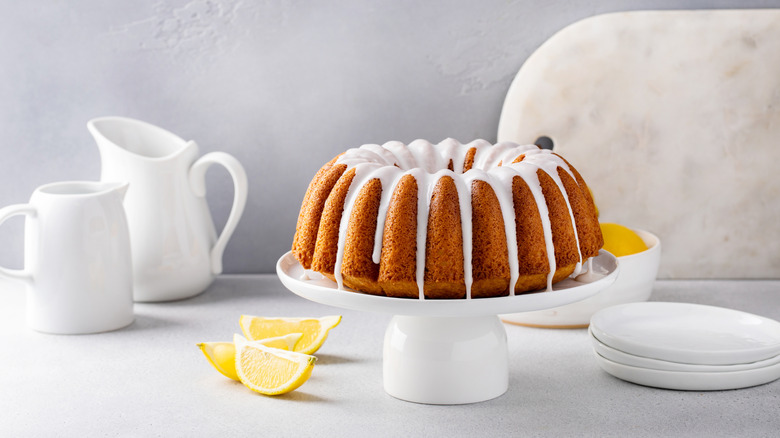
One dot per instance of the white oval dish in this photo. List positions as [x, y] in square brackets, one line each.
[325, 291]
[689, 381]
[687, 333]
[662, 365]
[634, 283]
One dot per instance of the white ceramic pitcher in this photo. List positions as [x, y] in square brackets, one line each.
[77, 264]
[176, 251]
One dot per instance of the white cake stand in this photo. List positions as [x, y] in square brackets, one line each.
[445, 351]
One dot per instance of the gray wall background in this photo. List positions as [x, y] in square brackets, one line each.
[282, 85]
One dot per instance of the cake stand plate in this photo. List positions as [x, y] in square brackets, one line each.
[445, 351]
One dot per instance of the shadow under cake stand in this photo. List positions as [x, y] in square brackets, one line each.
[445, 351]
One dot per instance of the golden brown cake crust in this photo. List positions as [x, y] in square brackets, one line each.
[489, 252]
[316, 240]
[311, 211]
[397, 271]
[359, 270]
[326, 247]
[444, 277]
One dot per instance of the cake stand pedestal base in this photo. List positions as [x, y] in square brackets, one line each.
[445, 352]
[445, 360]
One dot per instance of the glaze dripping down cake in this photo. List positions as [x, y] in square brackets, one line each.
[447, 221]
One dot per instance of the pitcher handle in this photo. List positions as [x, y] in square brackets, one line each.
[5, 213]
[240, 187]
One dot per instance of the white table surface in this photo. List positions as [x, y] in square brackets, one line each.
[150, 379]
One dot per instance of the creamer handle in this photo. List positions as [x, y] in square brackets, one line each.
[240, 187]
[5, 213]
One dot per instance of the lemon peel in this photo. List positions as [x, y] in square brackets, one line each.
[271, 371]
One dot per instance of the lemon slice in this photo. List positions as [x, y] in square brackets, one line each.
[271, 371]
[315, 330]
[284, 342]
[222, 355]
[621, 241]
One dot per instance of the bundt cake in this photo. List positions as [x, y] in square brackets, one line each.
[447, 221]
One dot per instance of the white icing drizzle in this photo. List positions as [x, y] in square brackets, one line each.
[384, 206]
[403, 156]
[363, 172]
[464, 201]
[426, 156]
[551, 168]
[387, 157]
[503, 191]
[531, 178]
[590, 275]
[427, 164]
[424, 193]
[362, 155]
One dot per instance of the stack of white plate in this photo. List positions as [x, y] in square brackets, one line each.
[685, 346]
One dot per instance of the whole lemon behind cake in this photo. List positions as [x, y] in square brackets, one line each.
[621, 240]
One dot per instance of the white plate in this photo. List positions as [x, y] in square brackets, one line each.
[687, 333]
[324, 291]
[689, 381]
[662, 365]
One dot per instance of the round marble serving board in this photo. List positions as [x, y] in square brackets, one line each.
[673, 119]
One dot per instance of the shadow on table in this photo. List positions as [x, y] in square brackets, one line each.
[148, 322]
[330, 359]
[299, 396]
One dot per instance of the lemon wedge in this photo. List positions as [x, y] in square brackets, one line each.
[314, 330]
[270, 371]
[222, 355]
[621, 241]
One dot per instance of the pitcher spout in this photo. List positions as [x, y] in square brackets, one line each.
[124, 138]
[121, 189]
